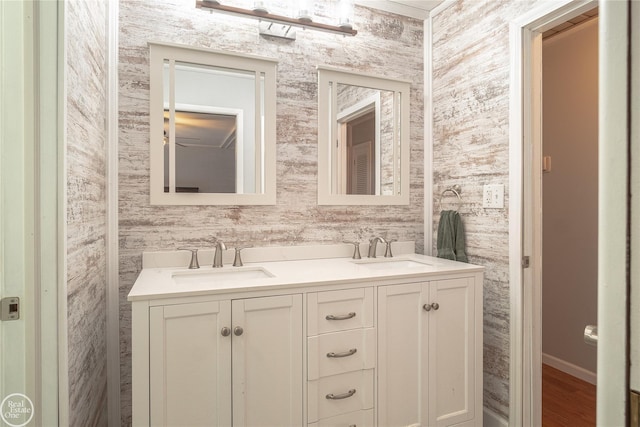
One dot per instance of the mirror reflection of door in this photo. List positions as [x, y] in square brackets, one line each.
[357, 157]
[360, 137]
[206, 151]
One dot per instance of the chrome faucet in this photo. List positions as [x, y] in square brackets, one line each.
[217, 257]
[373, 243]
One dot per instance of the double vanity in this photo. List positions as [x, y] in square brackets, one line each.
[297, 336]
[307, 336]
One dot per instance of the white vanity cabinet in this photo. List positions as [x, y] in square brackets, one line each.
[317, 343]
[230, 362]
[430, 353]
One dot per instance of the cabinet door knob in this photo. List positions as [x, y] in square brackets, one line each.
[238, 331]
[225, 332]
[435, 306]
[426, 307]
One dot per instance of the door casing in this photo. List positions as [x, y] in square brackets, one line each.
[32, 180]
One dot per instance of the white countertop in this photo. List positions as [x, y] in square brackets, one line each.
[160, 282]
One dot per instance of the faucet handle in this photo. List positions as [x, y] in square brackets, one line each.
[387, 252]
[237, 261]
[194, 257]
[356, 249]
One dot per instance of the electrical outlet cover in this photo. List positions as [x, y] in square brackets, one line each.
[493, 196]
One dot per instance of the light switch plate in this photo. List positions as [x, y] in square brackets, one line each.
[493, 196]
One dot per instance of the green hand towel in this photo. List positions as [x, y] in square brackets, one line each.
[446, 236]
[450, 242]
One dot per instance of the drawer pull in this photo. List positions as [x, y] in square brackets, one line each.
[344, 353]
[341, 316]
[332, 396]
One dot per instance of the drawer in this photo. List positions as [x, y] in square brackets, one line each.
[352, 419]
[340, 352]
[334, 311]
[340, 394]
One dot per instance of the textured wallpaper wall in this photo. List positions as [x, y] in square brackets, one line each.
[471, 148]
[386, 45]
[85, 69]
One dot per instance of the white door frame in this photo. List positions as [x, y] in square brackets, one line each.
[34, 141]
[613, 220]
[525, 204]
[635, 208]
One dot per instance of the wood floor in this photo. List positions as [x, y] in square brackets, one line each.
[566, 401]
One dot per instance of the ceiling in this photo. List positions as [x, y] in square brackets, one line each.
[571, 23]
[416, 9]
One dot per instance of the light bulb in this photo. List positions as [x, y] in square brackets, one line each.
[304, 13]
[260, 7]
[345, 14]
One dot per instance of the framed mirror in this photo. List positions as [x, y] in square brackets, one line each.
[212, 127]
[363, 139]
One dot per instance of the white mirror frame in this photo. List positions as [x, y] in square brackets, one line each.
[265, 155]
[328, 78]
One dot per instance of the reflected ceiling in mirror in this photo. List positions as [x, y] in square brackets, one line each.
[215, 113]
[363, 139]
[206, 148]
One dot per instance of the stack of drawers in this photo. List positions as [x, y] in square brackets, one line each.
[341, 351]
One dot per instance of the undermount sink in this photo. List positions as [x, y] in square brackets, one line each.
[392, 264]
[220, 276]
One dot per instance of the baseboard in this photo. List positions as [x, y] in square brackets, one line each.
[570, 368]
[491, 419]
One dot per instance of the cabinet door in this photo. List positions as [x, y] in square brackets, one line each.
[452, 352]
[402, 354]
[267, 361]
[190, 365]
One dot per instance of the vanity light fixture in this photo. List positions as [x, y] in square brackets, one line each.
[281, 26]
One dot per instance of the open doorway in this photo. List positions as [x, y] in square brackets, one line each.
[359, 130]
[525, 208]
[360, 137]
[569, 220]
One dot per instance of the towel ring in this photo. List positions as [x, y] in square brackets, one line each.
[456, 189]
